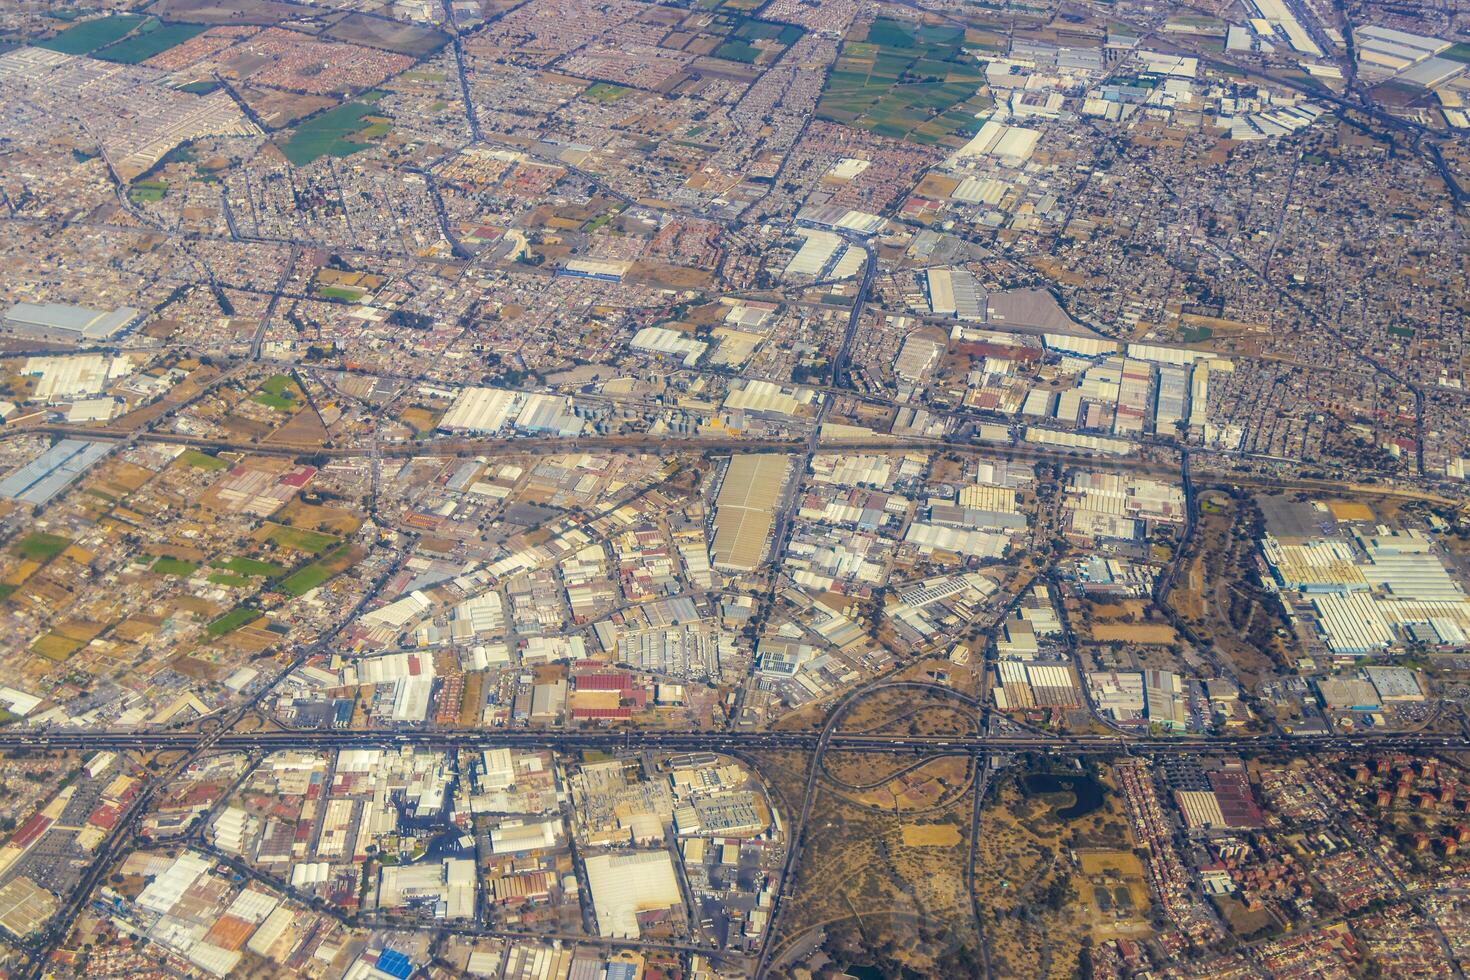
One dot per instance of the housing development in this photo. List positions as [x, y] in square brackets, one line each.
[713, 489]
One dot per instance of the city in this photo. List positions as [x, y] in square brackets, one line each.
[712, 489]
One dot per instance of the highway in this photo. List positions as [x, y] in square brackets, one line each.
[722, 741]
[540, 446]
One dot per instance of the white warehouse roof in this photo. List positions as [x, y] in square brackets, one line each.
[623, 885]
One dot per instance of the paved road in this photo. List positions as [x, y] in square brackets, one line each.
[721, 741]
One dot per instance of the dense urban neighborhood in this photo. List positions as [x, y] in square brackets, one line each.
[713, 489]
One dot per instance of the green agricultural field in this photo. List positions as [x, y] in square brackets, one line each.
[279, 392]
[606, 92]
[231, 621]
[225, 578]
[40, 546]
[738, 51]
[279, 384]
[302, 539]
[55, 647]
[303, 580]
[152, 38]
[203, 461]
[752, 30]
[907, 82]
[349, 293]
[90, 35]
[327, 134]
[308, 577]
[279, 402]
[147, 191]
[251, 566]
[175, 567]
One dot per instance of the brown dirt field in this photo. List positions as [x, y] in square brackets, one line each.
[1123, 863]
[22, 571]
[1221, 326]
[82, 631]
[931, 835]
[936, 186]
[377, 32]
[280, 109]
[305, 428]
[252, 638]
[245, 429]
[228, 11]
[1350, 510]
[1152, 633]
[921, 789]
[420, 419]
[194, 667]
[858, 867]
[669, 276]
[1118, 610]
[318, 517]
[1243, 922]
[55, 647]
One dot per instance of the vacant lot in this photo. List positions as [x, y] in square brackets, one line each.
[1156, 633]
[931, 835]
[230, 11]
[395, 36]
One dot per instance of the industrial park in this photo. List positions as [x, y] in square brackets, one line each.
[734, 489]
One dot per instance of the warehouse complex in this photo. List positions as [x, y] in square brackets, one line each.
[74, 324]
[1369, 590]
[745, 510]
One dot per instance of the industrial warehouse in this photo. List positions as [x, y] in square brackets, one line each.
[1369, 590]
[74, 324]
[746, 509]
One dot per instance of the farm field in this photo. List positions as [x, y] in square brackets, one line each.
[41, 546]
[278, 392]
[328, 134]
[231, 621]
[88, 36]
[905, 82]
[300, 539]
[154, 37]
